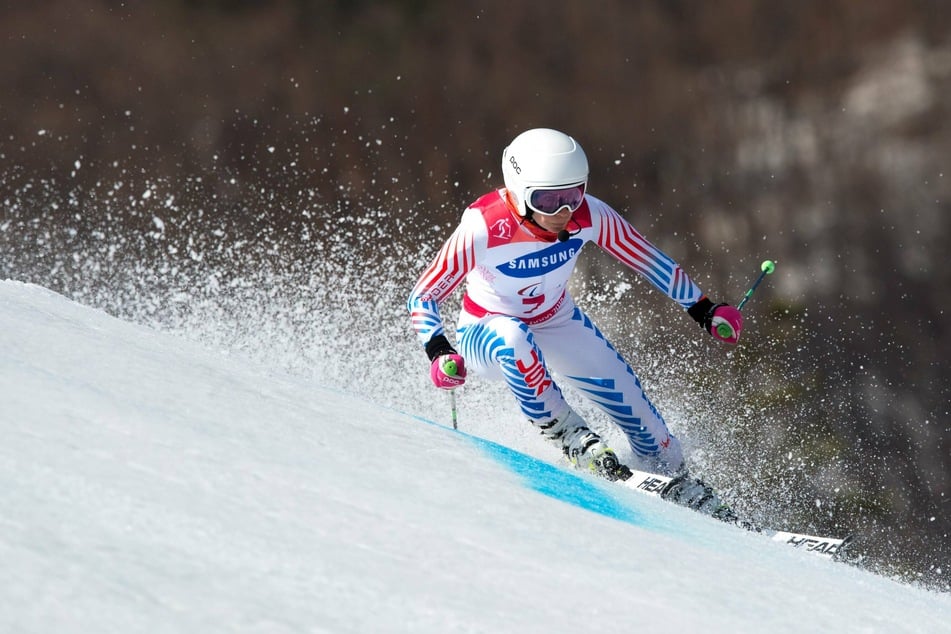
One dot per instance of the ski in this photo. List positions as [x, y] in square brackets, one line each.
[829, 547]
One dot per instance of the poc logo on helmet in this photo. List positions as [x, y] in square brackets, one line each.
[518, 170]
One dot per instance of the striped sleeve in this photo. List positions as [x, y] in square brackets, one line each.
[454, 260]
[624, 242]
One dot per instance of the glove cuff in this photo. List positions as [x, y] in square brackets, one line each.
[702, 312]
[438, 346]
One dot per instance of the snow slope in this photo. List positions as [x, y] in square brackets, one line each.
[150, 485]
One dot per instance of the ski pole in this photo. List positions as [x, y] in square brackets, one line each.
[766, 268]
[450, 368]
[452, 403]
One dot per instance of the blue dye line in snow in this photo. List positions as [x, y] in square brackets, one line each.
[556, 483]
[560, 484]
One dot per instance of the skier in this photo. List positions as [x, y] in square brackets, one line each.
[516, 248]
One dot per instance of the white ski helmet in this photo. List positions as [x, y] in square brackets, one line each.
[542, 158]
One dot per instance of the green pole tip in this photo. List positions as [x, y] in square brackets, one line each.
[450, 368]
[768, 267]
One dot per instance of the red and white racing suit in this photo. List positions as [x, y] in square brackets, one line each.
[518, 319]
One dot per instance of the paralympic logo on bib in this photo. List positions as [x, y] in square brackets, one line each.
[544, 261]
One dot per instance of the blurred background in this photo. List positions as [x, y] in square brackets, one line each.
[270, 177]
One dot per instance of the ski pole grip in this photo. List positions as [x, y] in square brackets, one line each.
[724, 330]
[450, 368]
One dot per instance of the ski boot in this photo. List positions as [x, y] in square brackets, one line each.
[584, 448]
[697, 495]
[603, 462]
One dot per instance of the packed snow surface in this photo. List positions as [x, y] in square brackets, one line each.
[148, 484]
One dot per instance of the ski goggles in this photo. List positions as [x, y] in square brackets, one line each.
[549, 201]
